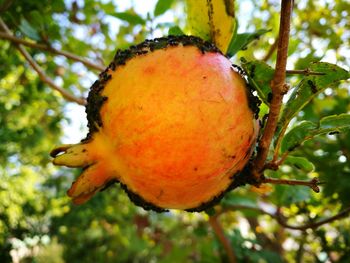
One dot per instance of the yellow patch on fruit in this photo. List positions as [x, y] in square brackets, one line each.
[174, 130]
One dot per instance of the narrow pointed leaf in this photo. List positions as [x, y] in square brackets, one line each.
[175, 31]
[310, 87]
[307, 130]
[297, 135]
[300, 162]
[335, 123]
[132, 19]
[241, 41]
[162, 6]
[260, 75]
[28, 30]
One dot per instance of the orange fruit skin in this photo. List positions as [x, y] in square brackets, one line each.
[176, 126]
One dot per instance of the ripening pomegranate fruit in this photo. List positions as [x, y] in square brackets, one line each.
[170, 120]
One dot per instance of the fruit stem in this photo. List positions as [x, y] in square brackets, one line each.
[278, 87]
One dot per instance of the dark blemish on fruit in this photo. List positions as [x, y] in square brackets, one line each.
[247, 153]
[161, 192]
[250, 136]
[112, 66]
[108, 184]
[240, 178]
[195, 169]
[138, 200]
[254, 101]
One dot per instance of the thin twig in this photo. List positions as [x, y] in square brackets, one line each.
[274, 164]
[74, 57]
[313, 183]
[214, 223]
[278, 144]
[265, 241]
[282, 220]
[270, 51]
[40, 71]
[278, 88]
[306, 72]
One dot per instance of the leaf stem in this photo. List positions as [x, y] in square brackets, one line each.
[270, 51]
[278, 143]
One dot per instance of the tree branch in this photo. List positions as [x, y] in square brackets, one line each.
[264, 240]
[214, 223]
[282, 220]
[278, 88]
[24, 42]
[40, 71]
[270, 51]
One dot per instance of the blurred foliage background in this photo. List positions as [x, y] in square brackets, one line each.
[38, 223]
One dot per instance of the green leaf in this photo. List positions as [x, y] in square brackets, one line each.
[297, 135]
[241, 41]
[300, 162]
[307, 130]
[335, 123]
[236, 199]
[310, 87]
[260, 75]
[175, 31]
[286, 195]
[37, 20]
[28, 30]
[132, 19]
[162, 6]
[269, 256]
[210, 211]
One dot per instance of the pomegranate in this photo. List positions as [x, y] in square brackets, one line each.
[170, 119]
